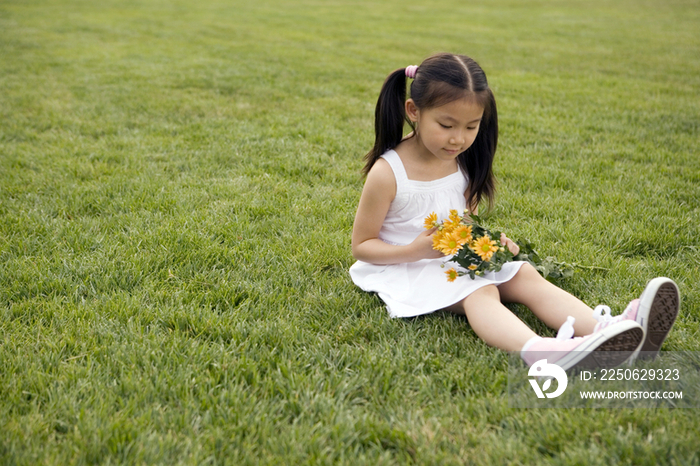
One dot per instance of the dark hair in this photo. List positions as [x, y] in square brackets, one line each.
[441, 79]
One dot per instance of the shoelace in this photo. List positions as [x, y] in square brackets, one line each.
[566, 331]
[602, 313]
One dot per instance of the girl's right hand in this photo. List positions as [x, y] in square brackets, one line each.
[423, 246]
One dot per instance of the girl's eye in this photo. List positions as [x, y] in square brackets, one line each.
[445, 126]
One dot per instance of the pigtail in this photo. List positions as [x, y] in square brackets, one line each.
[389, 117]
[477, 161]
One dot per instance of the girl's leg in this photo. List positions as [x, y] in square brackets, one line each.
[549, 303]
[492, 321]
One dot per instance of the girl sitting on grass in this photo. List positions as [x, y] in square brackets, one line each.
[446, 163]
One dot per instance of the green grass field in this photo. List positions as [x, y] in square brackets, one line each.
[178, 182]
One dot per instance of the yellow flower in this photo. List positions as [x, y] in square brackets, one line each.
[455, 219]
[449, 244]
[436, 241]
[447, 228]
[437, 237]
[463, 233]
[451, 275]
[472, 267]
[430, 221]
[484, 247]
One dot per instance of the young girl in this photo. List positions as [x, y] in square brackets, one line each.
[446, 163]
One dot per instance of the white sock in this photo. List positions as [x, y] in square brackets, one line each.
[529, 343]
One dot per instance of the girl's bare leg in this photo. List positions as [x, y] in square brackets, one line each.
[548, 302]
[492, 321]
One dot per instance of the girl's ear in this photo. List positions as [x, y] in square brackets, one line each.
[411, 110]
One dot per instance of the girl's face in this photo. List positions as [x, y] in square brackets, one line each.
[448, 130]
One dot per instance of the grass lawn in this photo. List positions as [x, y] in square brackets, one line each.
[178, 182]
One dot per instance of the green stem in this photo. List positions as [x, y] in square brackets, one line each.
[590, 267]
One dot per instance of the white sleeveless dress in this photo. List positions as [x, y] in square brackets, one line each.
[421, 287]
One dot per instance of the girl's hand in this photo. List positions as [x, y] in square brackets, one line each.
[423, 246]
[510, 244]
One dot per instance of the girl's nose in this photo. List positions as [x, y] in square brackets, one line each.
[457, 139]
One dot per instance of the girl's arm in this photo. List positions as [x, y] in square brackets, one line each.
[377, 194]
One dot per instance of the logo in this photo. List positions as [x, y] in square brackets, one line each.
[542, 370]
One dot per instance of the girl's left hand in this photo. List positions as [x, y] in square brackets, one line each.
[510, 244]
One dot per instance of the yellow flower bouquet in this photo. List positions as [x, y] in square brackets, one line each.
[478, 250]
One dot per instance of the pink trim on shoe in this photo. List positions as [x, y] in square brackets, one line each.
[602, 315]
[556, 349]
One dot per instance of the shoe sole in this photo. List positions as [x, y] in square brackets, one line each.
[658, 309]
[609, 347]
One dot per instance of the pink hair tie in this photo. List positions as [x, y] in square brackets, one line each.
[411, 71]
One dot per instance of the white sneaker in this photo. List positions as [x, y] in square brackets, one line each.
[655, 310]
[608, 347]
